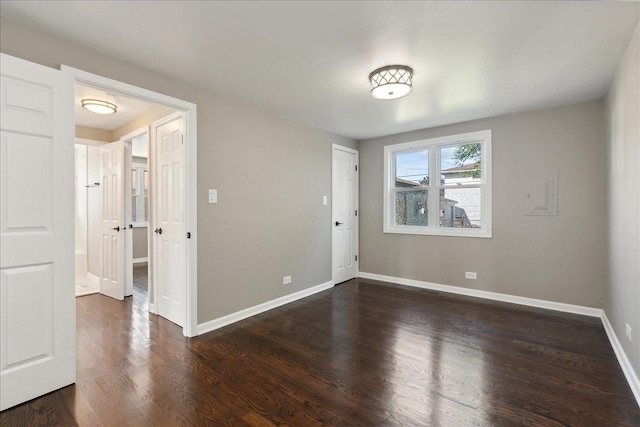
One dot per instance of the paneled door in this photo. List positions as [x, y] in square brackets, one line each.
[169, 223]
[37, 295]
[344, 206]
[112, 226]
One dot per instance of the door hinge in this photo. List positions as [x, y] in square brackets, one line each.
[356, 257]
[356, 212]
[356, 168]
[188, 235]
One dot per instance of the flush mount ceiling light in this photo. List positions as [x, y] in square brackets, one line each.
[100, 107]
[391, 82]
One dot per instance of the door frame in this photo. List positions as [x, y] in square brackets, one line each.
[334, 148]
[190, 328]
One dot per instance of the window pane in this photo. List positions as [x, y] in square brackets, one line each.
[411, 208]
[146, 208]
[460, 208]
[461, 164]
[146, 182]
[134, 209]
[134, 182]
[412, 169]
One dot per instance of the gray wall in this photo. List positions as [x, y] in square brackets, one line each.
[93, 133]
[270, 172]
[140, 246]
[557, 258]
[156, 112]
[622, 148]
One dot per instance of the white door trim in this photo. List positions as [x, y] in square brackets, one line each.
[335, 147]
[191, 178]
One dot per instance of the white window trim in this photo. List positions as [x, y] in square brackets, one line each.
[432, 144]
[140, 187]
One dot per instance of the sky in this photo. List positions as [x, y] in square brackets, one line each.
[414, 165]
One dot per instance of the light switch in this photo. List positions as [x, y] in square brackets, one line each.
[213, 196]
[324, 200]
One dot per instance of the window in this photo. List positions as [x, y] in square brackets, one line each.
[439, 186]
[139, 194]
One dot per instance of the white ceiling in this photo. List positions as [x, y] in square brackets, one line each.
[311, 60]
[128, 108]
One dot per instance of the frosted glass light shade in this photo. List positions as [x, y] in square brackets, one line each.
[391, 82]
[100, 107]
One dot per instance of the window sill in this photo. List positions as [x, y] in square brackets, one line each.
[456, 232]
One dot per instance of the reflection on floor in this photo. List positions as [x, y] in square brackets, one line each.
[141, 287]
[364, 353]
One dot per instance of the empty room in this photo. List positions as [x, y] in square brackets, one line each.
[364, 213]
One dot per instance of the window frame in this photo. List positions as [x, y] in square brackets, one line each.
[433, 146]
[140, 169]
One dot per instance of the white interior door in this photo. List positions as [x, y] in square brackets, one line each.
[169, 223]
[344, 206]
[112, 227]
[37, 295]
[130, 192]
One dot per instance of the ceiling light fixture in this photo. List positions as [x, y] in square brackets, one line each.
[391, 82]
[100, 107]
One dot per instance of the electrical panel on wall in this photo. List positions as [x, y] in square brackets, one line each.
[541, 191]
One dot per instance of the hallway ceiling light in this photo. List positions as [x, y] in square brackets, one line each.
[100, 107]
[391, 82]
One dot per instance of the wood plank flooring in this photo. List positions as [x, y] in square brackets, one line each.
[364, 353]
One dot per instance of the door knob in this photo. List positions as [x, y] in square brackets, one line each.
[116, 228]
[338, 223]
[158, 230]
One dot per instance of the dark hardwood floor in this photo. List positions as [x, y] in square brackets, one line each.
[364, 353]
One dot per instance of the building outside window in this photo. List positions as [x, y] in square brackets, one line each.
[439, 186]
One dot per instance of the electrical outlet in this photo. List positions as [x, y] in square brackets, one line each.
[470, 275]
[286, 280]
[628, 331]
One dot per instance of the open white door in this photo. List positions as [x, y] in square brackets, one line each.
[112, 227]
[169, 263]
[344, 206]
[135, 192]
[37, 295]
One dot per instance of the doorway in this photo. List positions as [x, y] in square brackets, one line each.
[137, 196]
[112, 192]
[87, 209]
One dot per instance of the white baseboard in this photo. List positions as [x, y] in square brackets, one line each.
[531, 302]
[625, 364]
[260, 308]
[623, 360]
[139, 260]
